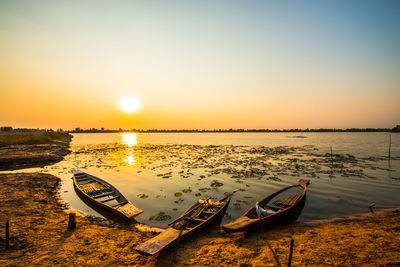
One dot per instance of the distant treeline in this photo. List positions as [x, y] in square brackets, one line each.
[102, 130]
[9, 129]
[93, 130]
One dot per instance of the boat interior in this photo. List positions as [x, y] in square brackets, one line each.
[199, 214]
[281, 201]
[99, 191]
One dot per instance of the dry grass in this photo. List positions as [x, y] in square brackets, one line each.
[59, 138]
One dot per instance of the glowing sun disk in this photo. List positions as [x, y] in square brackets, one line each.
[129, 104]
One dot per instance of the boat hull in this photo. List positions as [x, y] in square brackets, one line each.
[248, 222]
[126, 211]
[171, 236]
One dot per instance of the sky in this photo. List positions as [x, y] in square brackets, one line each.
[200, 64]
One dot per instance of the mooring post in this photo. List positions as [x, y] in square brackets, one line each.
[390, 144]
[71, 221]
[7, 234]
[290, 252]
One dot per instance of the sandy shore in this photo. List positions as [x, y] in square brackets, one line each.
[39, 236]
[23, 156]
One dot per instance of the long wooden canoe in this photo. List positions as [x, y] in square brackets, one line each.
[285, 203]
[103, 195]
[190, 222]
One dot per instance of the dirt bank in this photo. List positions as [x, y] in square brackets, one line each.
[23, 156]
[39, 237]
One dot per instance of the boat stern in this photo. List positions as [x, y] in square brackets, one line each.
[129, 211]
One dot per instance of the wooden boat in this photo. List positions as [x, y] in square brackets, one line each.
[103, 195]
[190, 222]
[284, 204]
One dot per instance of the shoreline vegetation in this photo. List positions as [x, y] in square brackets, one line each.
[34, 138]
[32, 149]
[9, 129]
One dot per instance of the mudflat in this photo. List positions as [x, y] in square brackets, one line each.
[39, 236]
[23, 156]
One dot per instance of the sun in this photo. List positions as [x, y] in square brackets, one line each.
[129, 104]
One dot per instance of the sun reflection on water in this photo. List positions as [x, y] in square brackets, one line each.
[130, 139]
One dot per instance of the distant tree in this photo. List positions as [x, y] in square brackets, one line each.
[6, 129]
[396, 129]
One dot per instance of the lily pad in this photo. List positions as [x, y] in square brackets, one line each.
[178, 194]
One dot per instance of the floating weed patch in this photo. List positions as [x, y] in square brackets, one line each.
[174, 209]
[188, 190]
[161, 216]
[143, 196]
[178, 194]
[198, 194]
[216, 183]
[274, 178]
[151, 218]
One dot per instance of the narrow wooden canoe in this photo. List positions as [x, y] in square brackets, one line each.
[287, 203]
[103, 195]
[192, 221]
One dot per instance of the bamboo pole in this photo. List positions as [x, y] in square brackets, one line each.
[390, 144]
[290, 252]
[7, 234]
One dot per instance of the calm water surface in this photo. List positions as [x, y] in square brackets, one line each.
[151, 168]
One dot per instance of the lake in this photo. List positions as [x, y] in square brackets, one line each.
[165, 173]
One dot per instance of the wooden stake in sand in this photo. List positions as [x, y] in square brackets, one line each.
[7, 234]
[290, 252]
[371, 206]
[331, 160]
[71, 221]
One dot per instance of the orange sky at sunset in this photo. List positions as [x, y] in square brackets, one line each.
[198, 66]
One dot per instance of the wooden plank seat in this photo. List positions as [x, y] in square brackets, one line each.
[287, 201]
[208, 212]
[195, 219]
[92, 187]
[109, 199]
[104, 194]
[83, 179]
[118, 204]
[86, 182]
